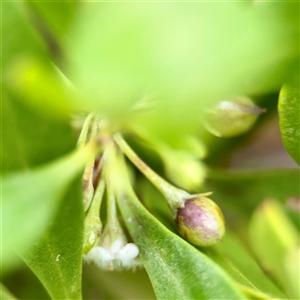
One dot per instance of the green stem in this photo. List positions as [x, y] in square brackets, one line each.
[85, 129]
[88, 188]
[111, 199]
[97, 200]
[174, 196]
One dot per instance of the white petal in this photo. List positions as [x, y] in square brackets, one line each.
[116, 246]
[128, 252]
[99, 254]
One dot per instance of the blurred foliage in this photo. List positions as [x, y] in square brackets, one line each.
[152, 69]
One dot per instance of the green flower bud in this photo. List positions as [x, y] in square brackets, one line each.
[185, 171]
[92, 222]
[230, 118]
[200, 222]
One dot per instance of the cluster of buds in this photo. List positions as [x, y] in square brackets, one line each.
[108, 249]
[198, 219]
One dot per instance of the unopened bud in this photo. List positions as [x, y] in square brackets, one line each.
[230, 118]
[185, 171]
[200, 222]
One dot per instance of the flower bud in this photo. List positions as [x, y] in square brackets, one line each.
[200, 222]
[230, 118]
[183, 169]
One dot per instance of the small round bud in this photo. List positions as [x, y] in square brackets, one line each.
[200, 222]
[230, 118]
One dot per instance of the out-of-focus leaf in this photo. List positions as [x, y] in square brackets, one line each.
[55, 15]
[131, 285]
[176, 269]
[56, 258]
[181, 55]
[242, 266]
[31, 197]
[291, 265]
[242, 191]
[26, 68]
[273, 238]
[30, 138]
[18, 37]
[26, 280]
[5, 294]
[289, 118]
[40, 86]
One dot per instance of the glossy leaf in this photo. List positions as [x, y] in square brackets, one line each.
[289, 120]
[273, 238]
[56, 258]
[176, 269]
[30, 199]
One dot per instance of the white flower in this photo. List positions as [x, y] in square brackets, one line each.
[114, 254]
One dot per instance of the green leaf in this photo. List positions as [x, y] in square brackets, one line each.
[273, 238]
[178, 55]
[176, 269]
[31, 197]
[26, 67]
[55, 16]
[17, 35]
[31, 138]
[5, 294]
[242, 191]
[41, 86]
[242, 266]
[131, 285]
[289, 118]
[239, 264]
[56, 258]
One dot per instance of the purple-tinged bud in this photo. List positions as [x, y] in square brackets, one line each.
[200, 222]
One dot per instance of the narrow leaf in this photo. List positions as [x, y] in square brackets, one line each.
[30, 199]
[176, 269]
[31, 138]
[242, 266]
[273, 238]
[56, 258]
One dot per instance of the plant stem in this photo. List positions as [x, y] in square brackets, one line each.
[85, 129]
[174, 196]
[88, 188]
[97, 200]
[111, 199]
